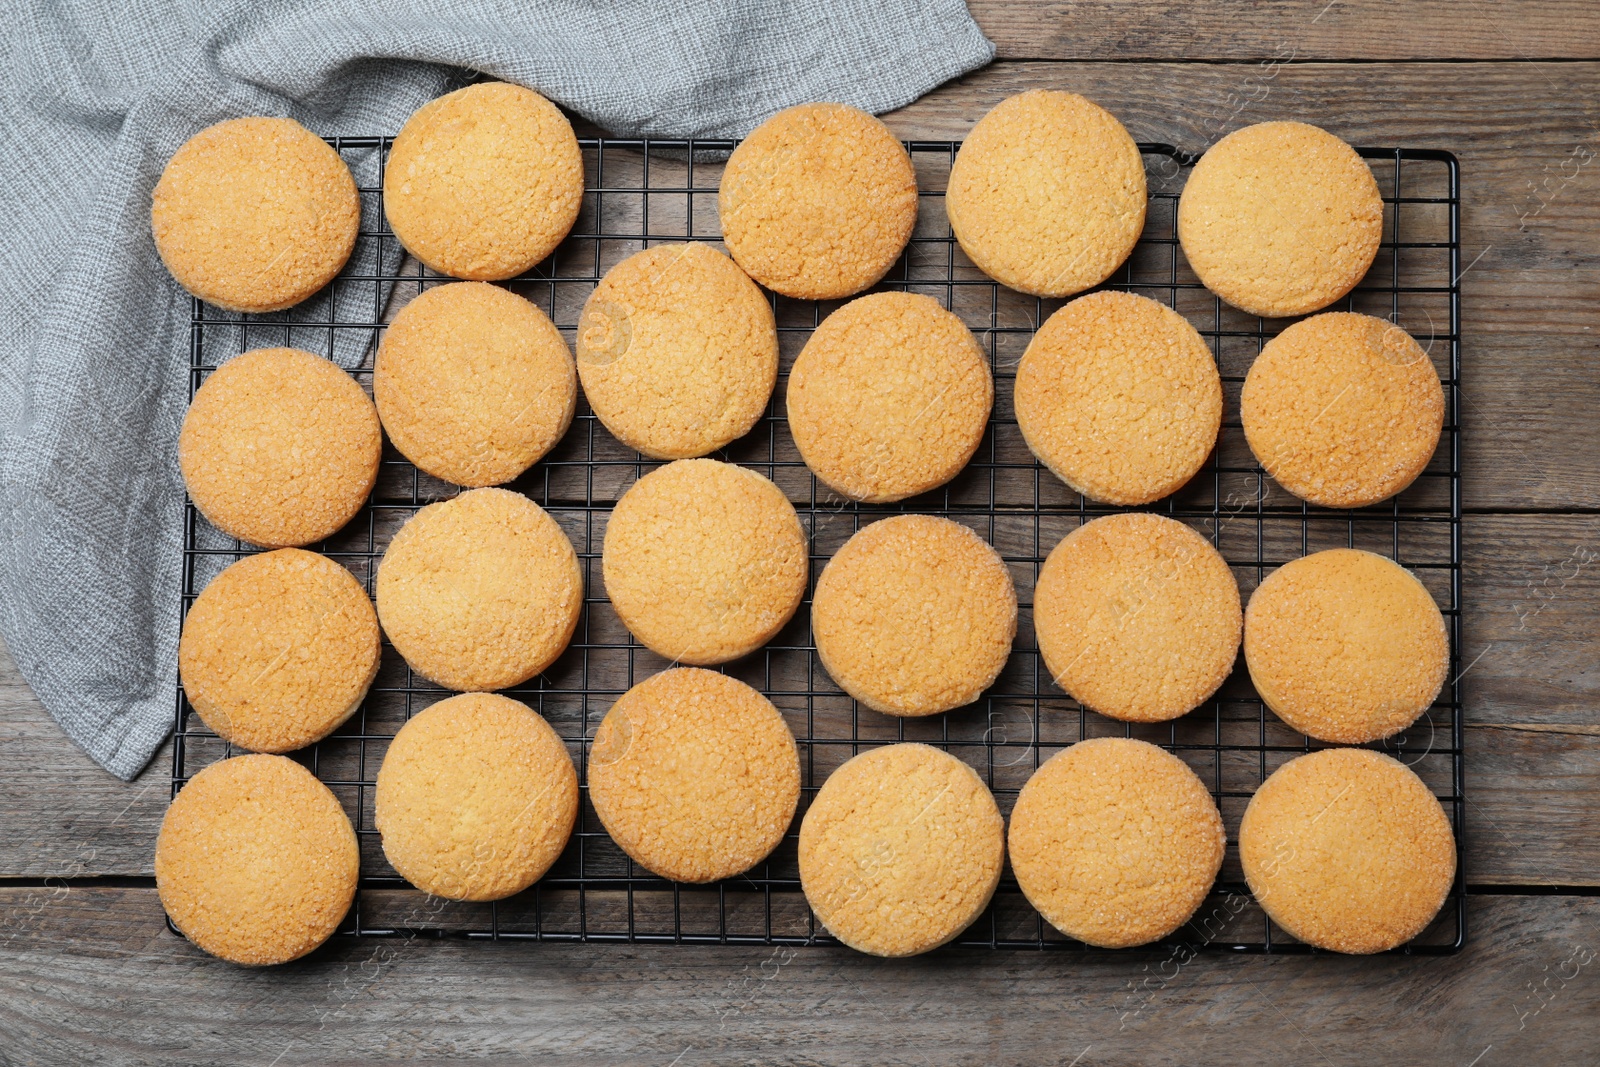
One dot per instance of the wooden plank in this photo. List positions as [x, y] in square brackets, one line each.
[62, 814]
[1283, 29]
[92, 975]
[1531, 627]
[1533, 790]
[1532, 390]
[1528, 138]
[1533, 794]
[1511, 124]
[1532, 621]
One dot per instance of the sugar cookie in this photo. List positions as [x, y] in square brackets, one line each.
[279, 447]
[1347, 850]
[474, 384]
[1137, 617]
[1047, 194]
[1343, 410]
[704, 561]
[484, 182]
[256, 861]
[1115, 842]
[889, 398]
[1345, 645]
[1280, 219]
[695, 775]
[255, 214]
[476, 798]
[914, 615]
[677, 351]
[480, 592]
[279, 650]
[1119, 396]
[818, 201]
[901, 850]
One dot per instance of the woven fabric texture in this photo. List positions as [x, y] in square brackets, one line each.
[93, 375]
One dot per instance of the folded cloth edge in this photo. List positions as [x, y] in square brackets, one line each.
[114, 692]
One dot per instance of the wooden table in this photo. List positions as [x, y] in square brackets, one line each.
[88, 972]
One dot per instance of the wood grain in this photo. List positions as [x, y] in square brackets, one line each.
[89, 974]
[92, 975]
[62, 814]
[1532, 622]
[1302, 29]
[1533, 383]
[1528, 138]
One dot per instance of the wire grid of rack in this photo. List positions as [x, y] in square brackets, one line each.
[643, 192]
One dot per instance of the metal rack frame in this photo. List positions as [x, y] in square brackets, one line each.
[641, 192]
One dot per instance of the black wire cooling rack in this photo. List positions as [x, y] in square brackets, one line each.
[642, 192]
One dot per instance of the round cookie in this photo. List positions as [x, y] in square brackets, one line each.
[695, 775]
[256, 861]
[1280, 219]
[678, 351]
[1119, 396]
[1137, 617]
[1343, 410]
[901, 850]
[889, 398]
[480, 592]
[476, 798]
[1115, 842]
[1345, 645]
[914, 615]
[818, 201]
[1347, 850]
[279, 650]
[279, 448]
[1047, 194]
[255, 214]
[704, 561]
[473, 383]
[484, 182]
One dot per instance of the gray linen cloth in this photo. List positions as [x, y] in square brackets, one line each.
[96, 95]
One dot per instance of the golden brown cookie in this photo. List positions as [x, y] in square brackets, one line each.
[1047, 194]
[279, 448]
[1137, 617]
[1119, 396]
[279, 650]
[889, 398]
[1347, 850]
[484, 182]
[695, 775]
[704, 561]
[1280, 219]
[255, 214]
[256, 861]
[1115, 842]
[480, 592]
[1345, 645]
[818, 201]
[476, 798]
[901, 850]
[678, 351]
[1343, 410]
[474, 384]
[914, 615]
